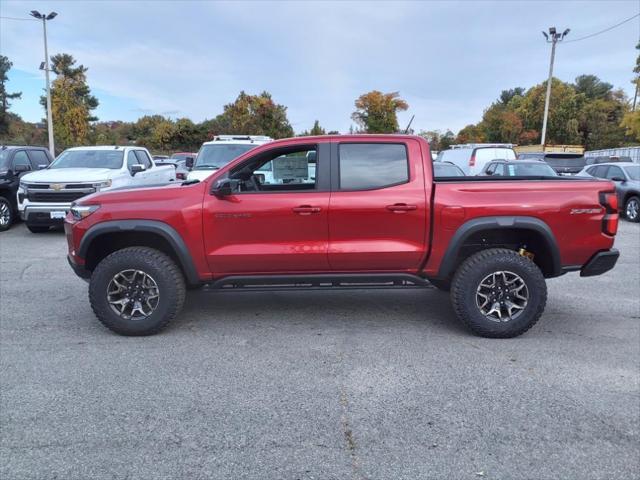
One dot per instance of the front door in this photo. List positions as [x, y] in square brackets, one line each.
[271, 224]
[378, 210]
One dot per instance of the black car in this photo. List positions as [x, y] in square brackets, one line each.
[15, 161]
[518, 168]
[626, 176]
[564, 163]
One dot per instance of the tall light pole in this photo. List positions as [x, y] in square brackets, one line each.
[552, 38]
[44, 18]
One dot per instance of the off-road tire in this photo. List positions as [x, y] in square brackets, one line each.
[444, 285]
[165, 272]
[626, 209]
[37, 228]
[471, 273]
[6, 209]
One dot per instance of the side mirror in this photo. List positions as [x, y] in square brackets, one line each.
[618, 179]
[21, 168]
[188, 162]
[137, 168]
[224, 188]
[42, 167]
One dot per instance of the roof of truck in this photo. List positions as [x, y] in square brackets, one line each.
[104, 147]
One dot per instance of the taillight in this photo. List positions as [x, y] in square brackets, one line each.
[609, 201]
[472, 160]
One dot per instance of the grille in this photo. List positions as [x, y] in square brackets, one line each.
[55, 196]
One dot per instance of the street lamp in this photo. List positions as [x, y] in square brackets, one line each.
[553, 37]
[45, 66]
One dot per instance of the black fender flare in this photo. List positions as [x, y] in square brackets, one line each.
[150, 226]
[448, 265]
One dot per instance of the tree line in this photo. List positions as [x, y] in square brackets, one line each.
[588, 111]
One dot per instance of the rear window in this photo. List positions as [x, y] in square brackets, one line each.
[446, 170]
[367, 166]
[529, 170]
[492, 153]
[215, 156]
[565, 159]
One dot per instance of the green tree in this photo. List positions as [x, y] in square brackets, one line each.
[316, 129]
[71, 102]
[252, 115]
[376, 112]
[592, 87]
[5, 66]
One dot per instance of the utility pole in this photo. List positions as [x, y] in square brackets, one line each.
[552, 38]
[45, 66]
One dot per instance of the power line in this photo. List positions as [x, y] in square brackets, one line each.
[21, 19]
[603, 31]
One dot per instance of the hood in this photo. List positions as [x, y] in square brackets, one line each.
[200, 174]
[70, 175]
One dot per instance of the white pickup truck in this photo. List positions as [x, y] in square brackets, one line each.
[45, 196]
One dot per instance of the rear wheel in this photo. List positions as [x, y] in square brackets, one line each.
[632, 209]
[6, 214]
[498, 293]
[37, 229]
[136, 291]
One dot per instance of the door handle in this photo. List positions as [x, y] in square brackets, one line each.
[306, 210]
[401, 207]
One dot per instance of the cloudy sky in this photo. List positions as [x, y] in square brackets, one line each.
[448, 59]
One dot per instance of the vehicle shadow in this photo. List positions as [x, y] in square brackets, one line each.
[428, 308]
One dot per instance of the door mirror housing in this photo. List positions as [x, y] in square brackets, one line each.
[618, 179]
[188, 162]
[137, 168]
[224, 188]
[21, 168]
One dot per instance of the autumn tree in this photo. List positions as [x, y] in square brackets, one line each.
[252, 115]
[5, 66]
[376, 112]
[71, 102]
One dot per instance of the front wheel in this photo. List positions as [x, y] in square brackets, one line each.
[632, 209]
[6, 214]
[498, 293]
[136, 291]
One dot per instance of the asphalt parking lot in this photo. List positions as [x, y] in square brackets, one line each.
[315, 385]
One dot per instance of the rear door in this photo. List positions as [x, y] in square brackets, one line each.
[378, 209]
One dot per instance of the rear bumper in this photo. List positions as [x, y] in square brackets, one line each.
[600, 263]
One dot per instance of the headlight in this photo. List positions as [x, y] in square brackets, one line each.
[82, 211]
[105, 184]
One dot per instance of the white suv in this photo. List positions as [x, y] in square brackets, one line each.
[220, 151]
[472, 157]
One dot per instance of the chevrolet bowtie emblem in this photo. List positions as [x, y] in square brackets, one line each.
[57, 186]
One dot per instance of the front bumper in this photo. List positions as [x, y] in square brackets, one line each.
[600, 263]
[79, 270]
[40, 214]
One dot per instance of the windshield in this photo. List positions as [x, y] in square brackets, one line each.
[529, 170]
[89, 159]
[212, 157]
[633, 172]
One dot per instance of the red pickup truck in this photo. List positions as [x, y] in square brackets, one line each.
[353, 211]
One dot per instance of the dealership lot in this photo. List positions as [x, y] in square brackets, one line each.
[350, 384]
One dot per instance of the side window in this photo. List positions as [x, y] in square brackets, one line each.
[499, 169]
[599, 171]
[20, 158]
[38, 158]
[491, 168]
[614, 172]
[131, 159]
[368, 166]
[143, 158]
[281, 170]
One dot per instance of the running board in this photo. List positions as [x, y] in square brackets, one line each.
[326, 281]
